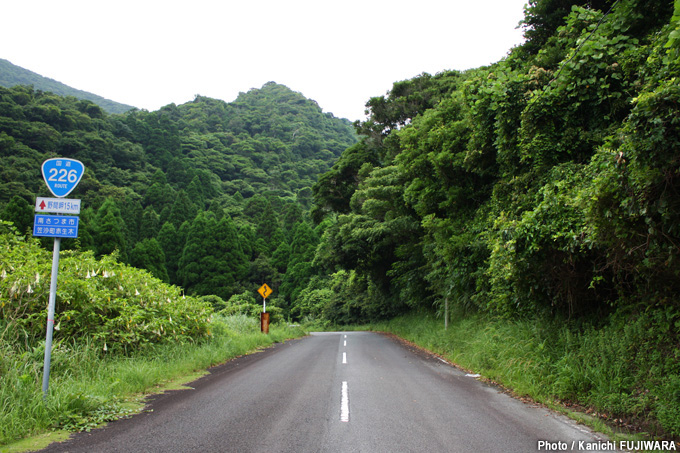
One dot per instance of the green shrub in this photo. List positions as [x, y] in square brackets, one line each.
[88, 388]
[119, 307]
[246, 304]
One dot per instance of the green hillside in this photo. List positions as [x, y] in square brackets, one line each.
[208, 195]
[11, 75]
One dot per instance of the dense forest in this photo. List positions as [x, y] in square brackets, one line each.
[545, 186]
[12, 75]
[210, 196]
[546, 183]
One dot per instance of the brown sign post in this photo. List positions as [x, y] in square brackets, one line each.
[265, 291]
[264, 322]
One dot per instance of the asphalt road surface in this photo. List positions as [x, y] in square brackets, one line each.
[336, 392]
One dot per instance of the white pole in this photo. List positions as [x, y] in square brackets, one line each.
[50, 316]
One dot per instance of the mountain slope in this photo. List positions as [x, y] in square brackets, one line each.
[11, 75]
[159, 185]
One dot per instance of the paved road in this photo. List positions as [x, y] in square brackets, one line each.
[335, 392]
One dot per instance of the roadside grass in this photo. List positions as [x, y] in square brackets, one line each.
[87, 387]
[617, 378]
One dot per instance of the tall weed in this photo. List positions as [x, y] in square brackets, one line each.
[89, 386]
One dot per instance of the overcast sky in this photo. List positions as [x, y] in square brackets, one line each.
[149, 53]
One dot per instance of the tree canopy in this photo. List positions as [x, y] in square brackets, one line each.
[201, 194]
[541, 184]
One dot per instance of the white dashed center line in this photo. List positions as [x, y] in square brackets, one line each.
[344, 403]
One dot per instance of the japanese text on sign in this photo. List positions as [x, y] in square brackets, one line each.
[55, 226]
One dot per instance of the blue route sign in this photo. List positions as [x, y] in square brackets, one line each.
[62, 175]
[55, 226]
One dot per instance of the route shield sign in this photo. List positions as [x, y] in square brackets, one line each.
[62, 175]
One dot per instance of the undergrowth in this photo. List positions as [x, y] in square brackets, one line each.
[89, 386]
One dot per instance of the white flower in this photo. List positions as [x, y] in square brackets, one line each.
[29, 290]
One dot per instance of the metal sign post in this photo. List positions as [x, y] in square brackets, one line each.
[50, 316]
[61, 175]
[265, 291]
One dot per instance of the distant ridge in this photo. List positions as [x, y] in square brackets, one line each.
[11, 75]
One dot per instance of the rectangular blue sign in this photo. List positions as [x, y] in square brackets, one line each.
[55, 226]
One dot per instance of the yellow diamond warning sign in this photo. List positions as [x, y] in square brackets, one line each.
[265, 291]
